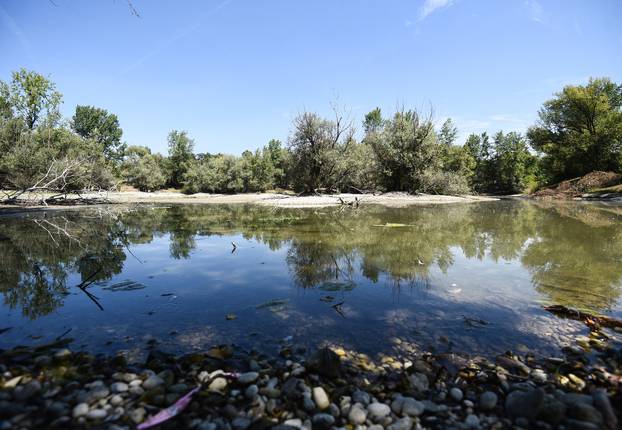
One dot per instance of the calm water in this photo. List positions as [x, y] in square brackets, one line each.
[469, 278]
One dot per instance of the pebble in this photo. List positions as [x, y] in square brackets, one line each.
[80, 410]
[456, 394]
[359, 396]
[472, 422]
[251, 391]
[357, 414]
[240, 423]
[248, 378]
[320, 398]
[217, 385]
[152, 382]
[402, 424]
[97, 414]
[119, 387]
[116, 400]
[323, 421]
[378, 410]
[138, 415]
[412, 407]
[487, 401]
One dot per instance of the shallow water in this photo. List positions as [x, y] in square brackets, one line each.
[469, 278]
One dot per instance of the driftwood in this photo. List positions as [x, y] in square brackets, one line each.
[594, 322]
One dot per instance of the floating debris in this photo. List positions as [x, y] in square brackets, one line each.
[230, 317]
[337, 286]
[392, 225]
[127, 285]
[271, 304]
[327, 299]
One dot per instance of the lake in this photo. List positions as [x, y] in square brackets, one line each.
[468, 278]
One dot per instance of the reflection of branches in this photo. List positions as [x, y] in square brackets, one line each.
[85, 284]
[59, 230]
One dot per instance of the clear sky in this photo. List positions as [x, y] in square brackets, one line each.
[234, 72]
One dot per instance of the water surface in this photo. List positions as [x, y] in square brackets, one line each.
[470, 278]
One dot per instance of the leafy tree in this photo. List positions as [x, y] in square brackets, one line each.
[142, 169]
[405, 146]
[580, 130]
[318, 149]
[102, 127]
[32, 97]
[180, 148]
[448, 133]
[373, 121]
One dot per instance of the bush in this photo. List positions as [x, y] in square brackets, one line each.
[448, 183]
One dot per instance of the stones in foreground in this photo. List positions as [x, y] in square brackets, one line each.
[331, 389]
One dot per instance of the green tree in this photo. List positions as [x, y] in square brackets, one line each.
[580, 130]
[448, 133]
[142, 169]
[32, 97]
[405, 146]
[181, 156]
[318, 150]
[102, 127]
[373, 121]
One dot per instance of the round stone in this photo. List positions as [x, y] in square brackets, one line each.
[412, 407]
[379, 410]
[152, 382]
[248, 378]
[456, 394]
[320, 398]
[80, 410]
[357, 414]
[487, 401]
[119, 387]
[97, 414]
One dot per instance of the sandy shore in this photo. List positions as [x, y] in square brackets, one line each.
[281, 200]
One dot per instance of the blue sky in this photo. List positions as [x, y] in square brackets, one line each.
[235, 72]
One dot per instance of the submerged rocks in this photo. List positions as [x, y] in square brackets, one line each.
[320, 398]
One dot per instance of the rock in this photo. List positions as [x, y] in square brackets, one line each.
[524, 404]
[25, 392]
[62, 354]
[397, 404]
[320, 398]
[585, 412]
[552, 411]
[307, 402]
[80, 410]
[295, 422]
[323, 421]
[602, 403]
[251, 391]
[217, 385]
[240, 423]
[513, 365]
[378, 410]
[571, 399]
[412, 407]
[138, 415]
[325, 362]
[248, 378]
[359, 396]
[538, 376]
[357, 415]
[119, 387]
[97, 414]
[571, 424]
[471, 422]
[419, 382]
[487, 401]
[402, 424]
[152, 382]
[456, 394]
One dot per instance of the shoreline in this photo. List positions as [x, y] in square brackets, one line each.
[266, 199]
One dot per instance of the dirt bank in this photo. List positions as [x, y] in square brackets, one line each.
[593, 186]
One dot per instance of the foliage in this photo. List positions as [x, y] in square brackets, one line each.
[180, 155]
[32, 98]
[319, 149]
[580, 130]
[102, 127]
[142, 169]
[405, 146]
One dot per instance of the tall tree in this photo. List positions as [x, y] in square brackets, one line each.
[32, 97]
[101, 126]
[448, 133]
[373, 121]
[180, 153]
[580, 130]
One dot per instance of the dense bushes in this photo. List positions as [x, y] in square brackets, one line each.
[578, 131]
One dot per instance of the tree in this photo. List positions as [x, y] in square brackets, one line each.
[32, 97]
[580, 130]
[373, 121]
[513, 163]
[180, 148]
[405, 146]
[102, 127]
[142, 169]
[448, 134]
[318, 148]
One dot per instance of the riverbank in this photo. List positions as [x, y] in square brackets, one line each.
[267, 199]
[52, 387]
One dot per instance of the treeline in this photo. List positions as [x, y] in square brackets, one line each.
[578, 131]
